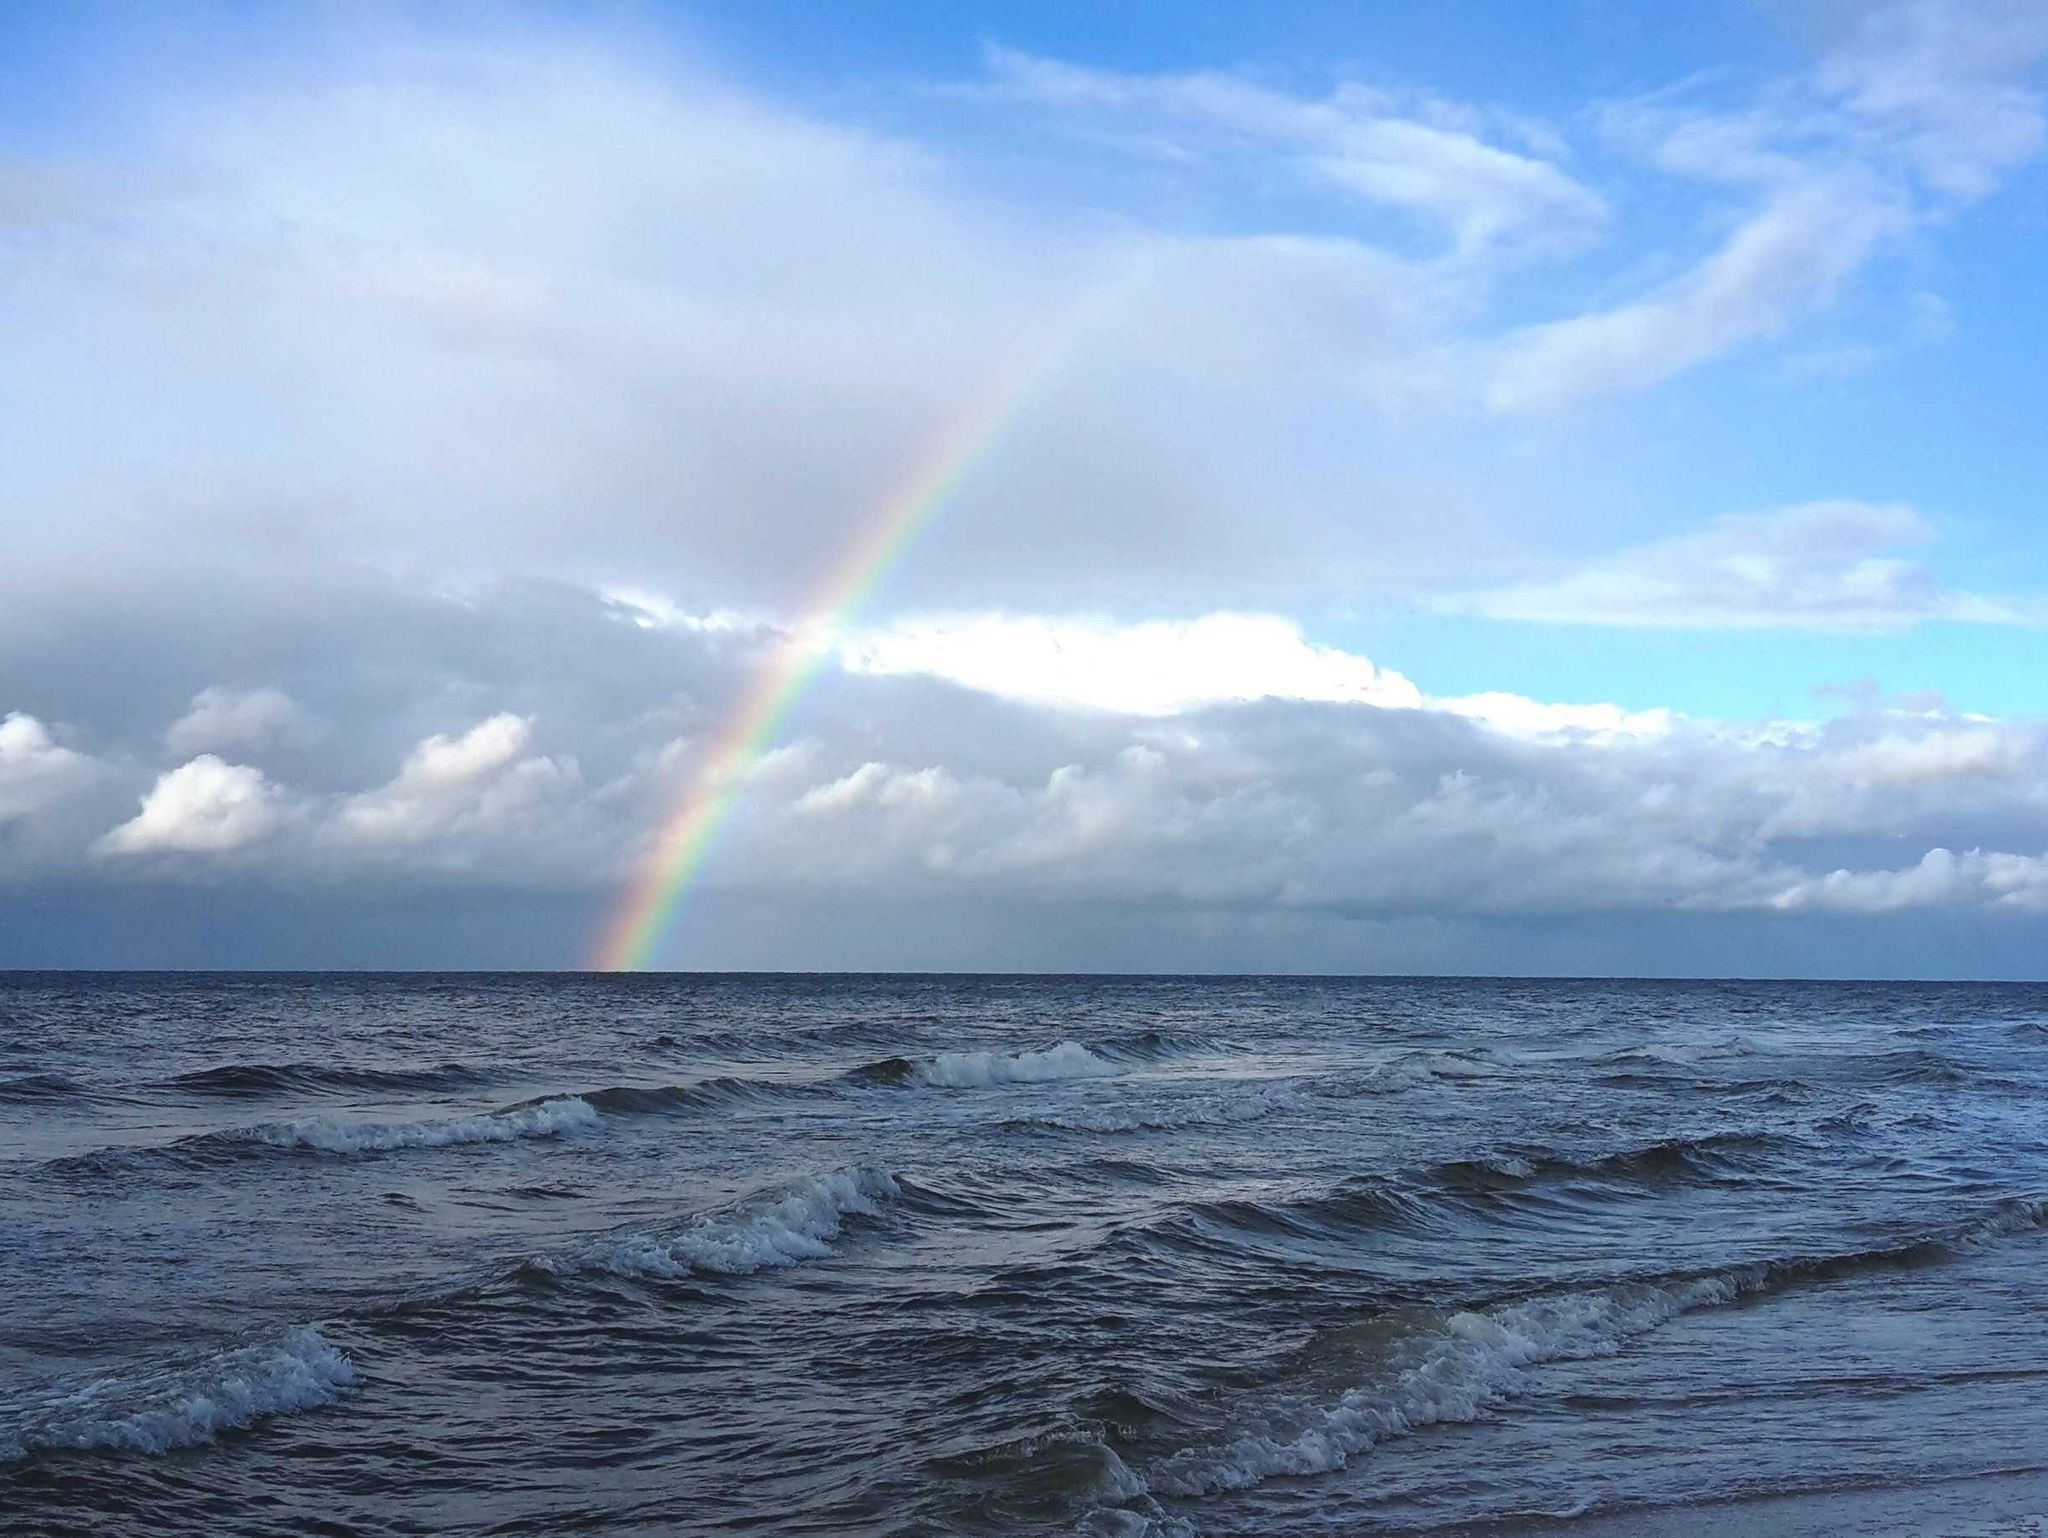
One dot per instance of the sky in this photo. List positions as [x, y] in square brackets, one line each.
[1429, 488]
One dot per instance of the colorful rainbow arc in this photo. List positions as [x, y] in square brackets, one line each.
[648, 906]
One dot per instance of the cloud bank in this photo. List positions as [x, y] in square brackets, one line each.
[1306, 784]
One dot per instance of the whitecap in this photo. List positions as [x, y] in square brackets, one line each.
[794, 1224]
[186, 1407]
[983, 1070]
[549, 1118]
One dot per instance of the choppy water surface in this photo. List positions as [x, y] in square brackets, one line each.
[518, 1255]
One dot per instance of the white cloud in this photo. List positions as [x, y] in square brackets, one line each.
[1789, 257]
[1941, 879]
[482, 781]
[1150, 668]
[1830, 566]
[1171, 667]
[230, 720]
[1425, 157]
[207, 806]
[1367, 816]
[1331, 809]
[1945, 82]
[1923, 105]
[34, 770]
[705, 331]
[701, 333]
[1519, 716]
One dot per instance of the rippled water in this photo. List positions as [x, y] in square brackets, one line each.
[524, 1255]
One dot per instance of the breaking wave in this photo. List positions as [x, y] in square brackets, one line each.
[175, 1408]
[1435, 1368]
[985, 1070]
[797, 1223]
[324, 1134]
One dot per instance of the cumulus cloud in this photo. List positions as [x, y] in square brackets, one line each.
[34, 770]
[207, 806]
[227, 720]
[985, 798]
[1365, 813]
[1941, 879]
[480, 781]
[1817, 566]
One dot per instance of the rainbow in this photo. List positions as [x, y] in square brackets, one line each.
[647, 907]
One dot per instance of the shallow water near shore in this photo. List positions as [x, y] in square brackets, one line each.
[528, 1254]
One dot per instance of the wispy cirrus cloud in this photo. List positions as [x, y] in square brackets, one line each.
[1911, 111]
[1456, 169]
[1829, 566]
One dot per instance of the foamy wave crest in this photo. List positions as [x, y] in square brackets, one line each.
[549, 1118]
[174, 1409]
[1456, 1366]
[981, 1070]
[1451, 1372]
[799, 1223]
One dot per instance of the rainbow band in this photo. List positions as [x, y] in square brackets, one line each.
[648, 906]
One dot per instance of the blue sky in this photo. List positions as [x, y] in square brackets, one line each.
[424, 421]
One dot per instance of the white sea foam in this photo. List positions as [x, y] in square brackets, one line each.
[1452, 1372]
[183, 1408]
[981, 1070]
[797, 1223]
[550, 1118]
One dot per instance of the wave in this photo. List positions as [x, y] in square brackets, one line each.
[1263, 1098]
[1409, 1201]
[40, 1086]
[1417, 1069]
[1216, 1111]
[324, 1134]
[160, 1412]
[722, 1093]
[254, 1079]
[1709, 1156]
[796, 1223]
[984, 1070]
[1427, 1369]
[1909, 1065]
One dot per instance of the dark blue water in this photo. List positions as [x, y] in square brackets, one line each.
[535, 1255]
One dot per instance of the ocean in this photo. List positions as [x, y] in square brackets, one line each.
[524, 1254]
